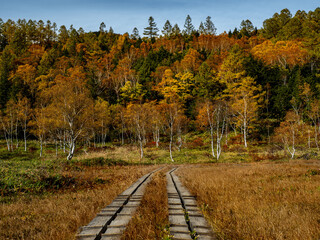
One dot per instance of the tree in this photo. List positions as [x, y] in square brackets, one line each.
[188, 27]
[289, 133]
[285, 54]
[213, 116]
[207, 84]
[102, 119]
[132, 92]
[171, 113]
[6, 64]
[209, 26]
[137, 116]
[176, 30]
[167, 29]
[242, 92]
[28, 73]
[191, 61]
[174, 91]
[176, 88]
[202, 29]
[9, 122]
[151, 30]
[135, 33]
[72, 103]
[102, 27]
[246, 28]
[24, 112]
[40, 124]
[155, 120]
[272, 26]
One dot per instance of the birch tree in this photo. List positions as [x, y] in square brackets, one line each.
[290, 133]
[24, 112]
[242, 93]
[214, 117]
[9, 121]
[72, 103]
[136, 114]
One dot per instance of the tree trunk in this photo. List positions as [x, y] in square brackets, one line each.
[212, 144]
[71, 150]
[122, 139]
[17, 140]
[218, 149]
[25, 139]
[41, 147]
[245, 133]
[170, 145]
[56, 147]
[7, 141]
[316, 136]
[64, 141]
[158, 138]
[141, 150]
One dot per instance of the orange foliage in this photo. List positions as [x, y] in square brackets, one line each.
[283, 53]
[191, 62]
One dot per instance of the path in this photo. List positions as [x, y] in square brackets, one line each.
[186, 221]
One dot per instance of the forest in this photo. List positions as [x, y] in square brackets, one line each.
[77, 89]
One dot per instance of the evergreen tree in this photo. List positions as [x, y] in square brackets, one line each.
[202, 30]
[151, 30]
[5, 67]
[209, 26]
[102, 27]
[167, 29]
[2, 36]
[63, 34]
[188, 27]
[135, 33]
[176, 30]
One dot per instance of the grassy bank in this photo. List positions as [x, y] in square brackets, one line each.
[259, 200]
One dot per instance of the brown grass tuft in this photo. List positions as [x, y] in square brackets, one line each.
[151, 219]
[259, 200]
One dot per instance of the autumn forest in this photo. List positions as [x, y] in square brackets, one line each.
[76, 89]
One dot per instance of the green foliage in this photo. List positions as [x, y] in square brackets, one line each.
[6, 65]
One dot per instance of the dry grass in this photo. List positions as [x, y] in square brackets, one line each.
[151, 219]
[59, 215]
[259, 200]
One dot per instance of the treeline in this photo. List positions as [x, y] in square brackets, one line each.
[68, 86]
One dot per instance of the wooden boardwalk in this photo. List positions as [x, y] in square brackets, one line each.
[186, 221]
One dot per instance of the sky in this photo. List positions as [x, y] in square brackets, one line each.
[124, 15]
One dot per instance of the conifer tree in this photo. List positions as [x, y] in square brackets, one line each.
[151, 30]
[201, 28]
[176, 30]
[209, 26]
[102, 27]
[135, 33]
[5, 67]
[167, 29]
[188, 27]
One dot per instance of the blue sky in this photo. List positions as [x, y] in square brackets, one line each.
[124, 15]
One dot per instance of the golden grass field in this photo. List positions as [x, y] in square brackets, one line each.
[266, 199]
[59, 215]
[258, 200]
